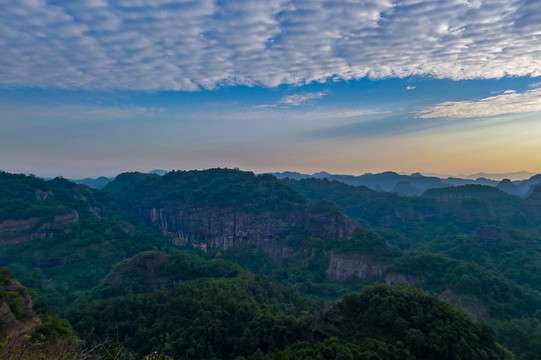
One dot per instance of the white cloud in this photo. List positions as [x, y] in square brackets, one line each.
[410, 87]
[299, 99]
[294, 100]
[510, 102]
[272, 114]
[193, 44]
[262, 106]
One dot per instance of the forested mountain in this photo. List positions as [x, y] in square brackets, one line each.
[472, 223]
[247, 316]
[223, 263]
[27, 330]
[60, 238]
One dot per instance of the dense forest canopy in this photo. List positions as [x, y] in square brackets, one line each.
[272, 269]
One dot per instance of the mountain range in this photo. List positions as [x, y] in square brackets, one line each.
[417, 184]
[514, 183]
[266, 254]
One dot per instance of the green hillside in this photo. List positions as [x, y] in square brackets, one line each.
[278, 250]
[68, 238]
[214, 188]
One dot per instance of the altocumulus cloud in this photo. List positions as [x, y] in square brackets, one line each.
[195, 44]
[510, 102]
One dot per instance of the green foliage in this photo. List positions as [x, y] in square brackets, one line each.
[153, 270]
[250, 258]
[20, 186]
[52, 327]
[513, 253]
[503, 298]
[409, 221]
[325, 207]
[19, 199]
[304, 272]
[364, 242]
[205, 315]
[200, 319]
[64, 260]
[50, 338]
[14, 295]
[15, 301]
[31, 349]
[522, 335]
[223, 188]
[428, 327]
[59, 267]
[338, 349]
[478, 190]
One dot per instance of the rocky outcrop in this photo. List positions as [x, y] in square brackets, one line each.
[60, 224]
[224, 228]
[17, 231]
[345, 266]
[403, 279]
[469, 303]
[17, 318]
[20, 231]
[42, 195]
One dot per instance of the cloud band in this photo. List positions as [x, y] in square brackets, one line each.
[194, 44]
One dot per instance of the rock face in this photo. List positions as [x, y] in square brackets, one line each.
[469, 303]
[224, 228]
[18, 318]
[344, 266]
[401, 278]
[19, 231]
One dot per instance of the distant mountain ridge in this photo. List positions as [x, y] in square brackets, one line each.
[417, 183]
[517, 175]
[518, 183]
[102, 181]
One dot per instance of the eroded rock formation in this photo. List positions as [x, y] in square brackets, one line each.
[20, 231]
[224, 228]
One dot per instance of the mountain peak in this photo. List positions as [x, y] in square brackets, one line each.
[158, 172]
[321, 174]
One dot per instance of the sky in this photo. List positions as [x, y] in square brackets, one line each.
[99, 87]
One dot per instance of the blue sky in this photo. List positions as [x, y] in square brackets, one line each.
[97, 87]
